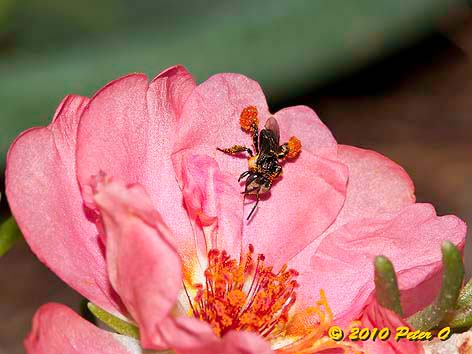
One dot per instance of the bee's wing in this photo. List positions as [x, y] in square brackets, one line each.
[272, 125]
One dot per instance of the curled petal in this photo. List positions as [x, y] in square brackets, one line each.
[411, 239]
[45, 199]
[58, 329]
[128, 132]
[375, 316]
[143, 265]
[214, 204]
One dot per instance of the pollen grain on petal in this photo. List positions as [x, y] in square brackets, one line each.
[249, 118]
[294, 147]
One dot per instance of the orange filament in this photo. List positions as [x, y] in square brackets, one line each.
[249, 118]
[244, 295]
[294, 147]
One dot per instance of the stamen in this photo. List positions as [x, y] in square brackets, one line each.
[294, 147]
[244, 295]
[316, 340]
[249, 118]
[248, 295]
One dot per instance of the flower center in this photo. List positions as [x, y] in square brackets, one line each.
[244, 294]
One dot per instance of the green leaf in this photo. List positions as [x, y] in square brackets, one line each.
[453, 275]
[9, 234]
[461, 318]
[386, 287]
[119, 325]
[465, 297]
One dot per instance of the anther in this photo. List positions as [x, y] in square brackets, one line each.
[244, 295]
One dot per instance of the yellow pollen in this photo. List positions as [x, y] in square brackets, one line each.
[315, 338]
[249, 118]
[252, 163]
[294, 147]
[244, 295]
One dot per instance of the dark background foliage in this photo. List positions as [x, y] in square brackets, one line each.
[394, 76]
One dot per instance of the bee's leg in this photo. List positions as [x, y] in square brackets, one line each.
[236, 149]
[244, 174]
[277, 172]
[255, 137]
[283, 151]
[290, 149]
[254, 207]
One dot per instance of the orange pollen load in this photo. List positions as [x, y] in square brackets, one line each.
[244, 295]
[249, 118]
[294, 147]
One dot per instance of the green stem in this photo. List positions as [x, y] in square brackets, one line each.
[119, 325]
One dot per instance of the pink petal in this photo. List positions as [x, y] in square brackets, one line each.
[184, 335]
[302, 122]
[187, 335]
[236, 342]
[376, 185]
[46, 202]
[314, 184]
[210, 119]
[144, 266]
[214, 203]
[300, 207]
[375, 316]
[128, 132]
[58, 329]
[343, 263]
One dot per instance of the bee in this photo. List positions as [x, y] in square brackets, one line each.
[265, 165]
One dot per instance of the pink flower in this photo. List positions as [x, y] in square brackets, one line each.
[125, 197]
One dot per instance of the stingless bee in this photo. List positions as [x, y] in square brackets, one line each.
[265, 165]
